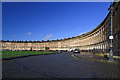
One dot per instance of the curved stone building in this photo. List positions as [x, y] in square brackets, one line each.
[97, 39]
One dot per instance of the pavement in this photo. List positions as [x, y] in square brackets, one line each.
[101, 59]
[91, 56]
[61, 65]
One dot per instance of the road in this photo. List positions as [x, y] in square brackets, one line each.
[61, 65]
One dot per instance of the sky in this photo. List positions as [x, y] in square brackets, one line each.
[50, 20]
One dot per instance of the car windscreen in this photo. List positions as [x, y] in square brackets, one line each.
[76, 49]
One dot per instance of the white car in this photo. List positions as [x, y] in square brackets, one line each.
[76, 51]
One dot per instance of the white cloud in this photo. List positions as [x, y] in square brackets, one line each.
[29, 33]
[47, 37]
[14, 35]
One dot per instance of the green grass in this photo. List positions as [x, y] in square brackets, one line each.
[9, 54]
[118, 57]
[99, 54]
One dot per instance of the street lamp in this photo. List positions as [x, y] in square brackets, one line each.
[111, 36]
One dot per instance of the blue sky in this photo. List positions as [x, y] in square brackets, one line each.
[50, 20]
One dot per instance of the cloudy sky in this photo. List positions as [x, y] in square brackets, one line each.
[50, 20]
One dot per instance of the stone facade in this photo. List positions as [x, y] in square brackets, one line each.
[97, 39]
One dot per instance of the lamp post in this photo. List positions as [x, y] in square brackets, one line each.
[111, 36]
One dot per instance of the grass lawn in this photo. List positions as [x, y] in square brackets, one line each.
[108, 56]
[9, 54]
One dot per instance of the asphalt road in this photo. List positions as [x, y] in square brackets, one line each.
[61, 65]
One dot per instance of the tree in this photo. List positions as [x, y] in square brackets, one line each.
[31, 49]
[47, 48]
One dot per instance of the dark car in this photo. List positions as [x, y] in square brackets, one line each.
[63, 50]
[76, 51]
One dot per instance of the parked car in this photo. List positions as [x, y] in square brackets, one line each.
[69, 50]
[76, 51]
[47, 50]
[64, 50]
[41, 50]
